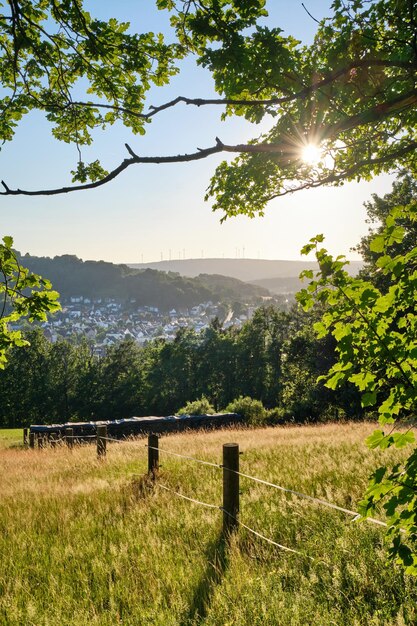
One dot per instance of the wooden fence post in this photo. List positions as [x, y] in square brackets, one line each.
[31, 440]
[69, 437]
[25, 437]
[101, 441]
[153, 455]
[230, 486]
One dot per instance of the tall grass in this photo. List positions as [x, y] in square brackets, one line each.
[92, 542]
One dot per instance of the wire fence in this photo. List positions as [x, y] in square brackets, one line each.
[230, 508]
[299, 494]
[267, 539]
[235, 518]
[330, 505]
[181, 495]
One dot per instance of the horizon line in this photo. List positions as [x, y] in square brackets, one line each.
[227, 259]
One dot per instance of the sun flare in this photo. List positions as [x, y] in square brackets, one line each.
[311, 154]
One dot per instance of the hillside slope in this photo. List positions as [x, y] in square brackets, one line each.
[248, 270]
[99, 279]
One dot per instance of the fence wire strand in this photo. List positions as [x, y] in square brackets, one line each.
[181, 495]
[251, 530]
[354, 514]
[80, 437]
[182, 456]
[267, 539]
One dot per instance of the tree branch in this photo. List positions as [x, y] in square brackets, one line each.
[135, 159]
[309, 14]
[198, 102]
[204, 153]
[284, 150]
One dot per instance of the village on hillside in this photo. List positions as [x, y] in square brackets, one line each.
[107, 321]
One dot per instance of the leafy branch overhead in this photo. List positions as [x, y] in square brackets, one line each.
[351, 93]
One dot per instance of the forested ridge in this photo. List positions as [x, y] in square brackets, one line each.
[100, 279]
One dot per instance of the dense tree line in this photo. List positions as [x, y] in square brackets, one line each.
[273, 358]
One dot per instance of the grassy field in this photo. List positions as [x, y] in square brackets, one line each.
[11, 437]
[87, 542]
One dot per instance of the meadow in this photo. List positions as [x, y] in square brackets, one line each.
[89, 542]
[11, 437]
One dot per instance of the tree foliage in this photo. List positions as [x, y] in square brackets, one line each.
[252, 410]
[403, 193]
[22, 294]
[351, 92]
[48, 47]
[375, 328]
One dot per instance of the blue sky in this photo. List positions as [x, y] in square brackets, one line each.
[153, 212]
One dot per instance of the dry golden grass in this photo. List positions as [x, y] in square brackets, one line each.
[84, 541]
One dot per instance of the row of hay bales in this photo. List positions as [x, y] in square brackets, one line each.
[137, 426]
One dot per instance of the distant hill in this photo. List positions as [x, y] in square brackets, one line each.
[98, 279]
[277, 276]
[280, 285]
[227, 288]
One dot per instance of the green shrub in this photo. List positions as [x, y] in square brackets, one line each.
[253, 411]
[201, 406]
[277, 415]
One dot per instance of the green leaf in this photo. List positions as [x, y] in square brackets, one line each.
[377, 244]
[334, 381]
[369, 398]
[401, 440]
[362, 380]
[375, 440]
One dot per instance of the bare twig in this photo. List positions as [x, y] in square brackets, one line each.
[309, 14]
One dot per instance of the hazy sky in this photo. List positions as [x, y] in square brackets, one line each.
[153, 212]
